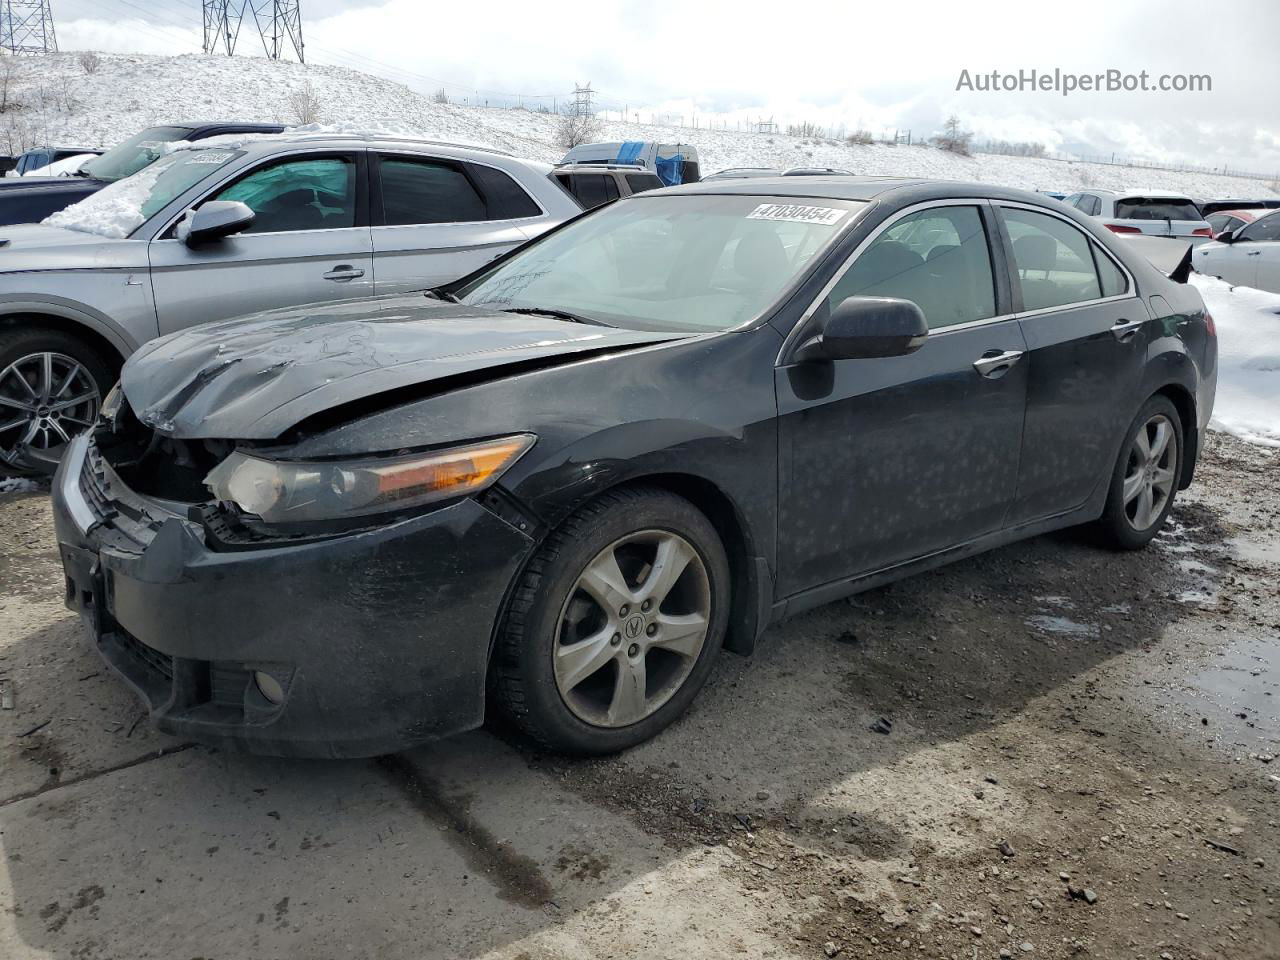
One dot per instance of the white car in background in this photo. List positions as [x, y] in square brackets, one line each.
[1156, 213]
[1247, 257]
[66, 167]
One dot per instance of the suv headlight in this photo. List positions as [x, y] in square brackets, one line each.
[298, 491]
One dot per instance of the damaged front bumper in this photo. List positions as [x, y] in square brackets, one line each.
[377, 640]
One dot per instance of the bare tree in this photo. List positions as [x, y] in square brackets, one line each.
[575, 129]
[440, 96]
[303, 104]
[860, 137]
[90, 62]
[805, 129]
[952, 138]
[62, 94]
[8, 77]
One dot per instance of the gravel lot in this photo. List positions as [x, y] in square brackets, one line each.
[1077, 764]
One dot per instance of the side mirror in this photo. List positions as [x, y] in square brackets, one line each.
[213, 221]
[1226, 236]
[862, 328]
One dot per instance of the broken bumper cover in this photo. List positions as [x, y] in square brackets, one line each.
[378, 639]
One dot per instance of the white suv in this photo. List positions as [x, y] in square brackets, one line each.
[1156, 213]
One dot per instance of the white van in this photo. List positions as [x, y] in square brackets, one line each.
[673, 162]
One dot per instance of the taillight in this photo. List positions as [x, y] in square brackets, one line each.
[1209, 326]
[1202, 232]
[1118, 228]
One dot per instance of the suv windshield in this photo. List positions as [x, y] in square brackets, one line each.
[127, 158]
[1156, 208]
[695, 263]
[121, 207]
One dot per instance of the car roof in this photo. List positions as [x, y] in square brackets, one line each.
[908, 190]
[1249, 214]
[349, 139]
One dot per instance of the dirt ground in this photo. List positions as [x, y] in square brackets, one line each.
[1077, 763]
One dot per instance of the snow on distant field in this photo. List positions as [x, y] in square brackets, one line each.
[1248, 322]
[130, 92]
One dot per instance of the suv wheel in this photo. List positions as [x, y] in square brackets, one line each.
[615, 624]
[1145, 480]
[51, 386]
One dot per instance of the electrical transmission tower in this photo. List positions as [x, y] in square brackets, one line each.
[278, 22]
[582, 105]
[221, 26]
[26, 26]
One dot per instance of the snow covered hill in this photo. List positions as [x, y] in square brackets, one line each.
[58, 102]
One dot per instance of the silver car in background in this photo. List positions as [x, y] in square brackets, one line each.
[235, 226]
[1155, 213]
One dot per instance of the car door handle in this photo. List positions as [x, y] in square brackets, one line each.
[993, 365]
[344, 272]
[1253, 253]
[1124, 330]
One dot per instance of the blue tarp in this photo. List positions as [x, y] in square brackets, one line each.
[629, 151]
[670, 169]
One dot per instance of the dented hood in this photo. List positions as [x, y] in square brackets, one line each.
[254, 378]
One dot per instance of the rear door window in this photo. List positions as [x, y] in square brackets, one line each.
[938, 259]
[1053, 261]
[424, 191]
[1156, 208]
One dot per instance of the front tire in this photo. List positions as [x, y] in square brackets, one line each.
[614, 625]
[1145, 479]
[51, 386]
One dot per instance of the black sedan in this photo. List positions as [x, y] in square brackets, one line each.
[556, 488]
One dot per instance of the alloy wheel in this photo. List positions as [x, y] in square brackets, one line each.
[1150, 473]
[632, 628]
[45, 400]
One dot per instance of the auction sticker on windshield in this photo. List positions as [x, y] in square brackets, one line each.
[211, 158]
[796, 213]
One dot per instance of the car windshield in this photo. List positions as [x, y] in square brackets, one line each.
[693, 262]
[121, 207]
[125, 159]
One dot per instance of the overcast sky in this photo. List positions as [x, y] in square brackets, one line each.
[878, 66]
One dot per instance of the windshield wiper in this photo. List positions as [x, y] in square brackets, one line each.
[558, 314]
[439, 293]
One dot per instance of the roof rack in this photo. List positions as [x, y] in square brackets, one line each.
[599, 165]
[311, 136]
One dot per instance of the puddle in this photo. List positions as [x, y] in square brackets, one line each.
[1063, 626]
[1264, 553]
[1064, 602]
[1116, 608]
[1238, 692]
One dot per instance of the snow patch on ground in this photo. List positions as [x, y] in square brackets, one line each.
[1248, 323]
[18, 485]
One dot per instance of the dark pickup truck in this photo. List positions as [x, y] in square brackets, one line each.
[31, 199]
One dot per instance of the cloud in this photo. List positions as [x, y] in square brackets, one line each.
[881, 66]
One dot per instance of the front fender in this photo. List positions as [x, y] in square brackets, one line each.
[125, 337]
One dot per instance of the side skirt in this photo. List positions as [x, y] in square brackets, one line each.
[839, 589]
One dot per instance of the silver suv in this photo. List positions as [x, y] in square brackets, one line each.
[233, 226]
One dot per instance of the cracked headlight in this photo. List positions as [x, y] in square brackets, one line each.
[298, 491]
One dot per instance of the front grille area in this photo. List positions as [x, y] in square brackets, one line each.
[155, 662]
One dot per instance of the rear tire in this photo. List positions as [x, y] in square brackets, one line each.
[1144, 481]
[51, 387]
[614, 625]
